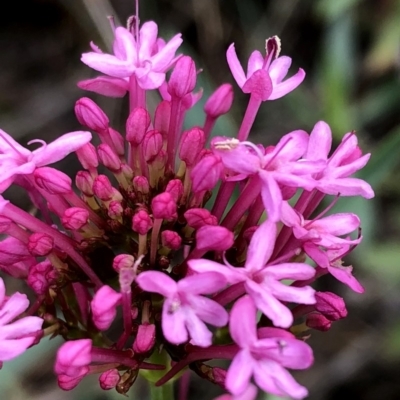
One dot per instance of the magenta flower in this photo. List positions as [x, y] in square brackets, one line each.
[264, 358]
[264, 75]
[15, 337]
[148, 58]
[345, 161]
[184, 310]
[262, 281]
[17, 160]
[276, 167]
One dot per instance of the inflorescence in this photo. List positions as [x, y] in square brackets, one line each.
[154, 231]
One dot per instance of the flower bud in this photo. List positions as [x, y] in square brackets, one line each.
[87, 156]
[103, 307]
[183, 77]
[141, 184]
[118, 141]
[40, 244]
[123, 261]
[162, 117]
[214, 238]
[41, 276]
[75, 218]
[330, 305]
[171, 240]
[220, 101]
[84, 182]
[91, 115]
[175, 188]
[206, 173]
[136, 125]
[115, 209]
[73, 358]
[318, 321]
[151, 145]
[164, 206]
[198, 217]
[52, 180]
[141, 222]
[109, 158]
[102, 188]
[192, 143]
[109, 379]
[145, 338]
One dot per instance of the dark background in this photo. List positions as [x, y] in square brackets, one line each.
[350, 51]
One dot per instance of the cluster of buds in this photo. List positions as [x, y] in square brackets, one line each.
[180, 230]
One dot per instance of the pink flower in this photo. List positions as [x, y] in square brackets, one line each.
[146, 57]
[249, 394]
[264, 358]
[184, 310]
[262, 281]
[17, 160]
[73, 358]
[345, 161]
[264, 75]
[15, 337]
[276, 167]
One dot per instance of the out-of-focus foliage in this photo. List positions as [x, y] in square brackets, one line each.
[350, 51]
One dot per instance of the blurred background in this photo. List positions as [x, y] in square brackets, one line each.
[350, 50]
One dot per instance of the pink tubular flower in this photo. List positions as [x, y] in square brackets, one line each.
[73, 358]
[345, 161]
[145, 57]
[264, 75]
[103, 306]
[262, 281]
[267, 358]
[184, 310]
[15, 337]
[276, 166]
[17, 160]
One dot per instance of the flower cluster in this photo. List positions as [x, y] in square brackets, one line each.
[141, 232]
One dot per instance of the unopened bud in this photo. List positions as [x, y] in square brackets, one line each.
[84, 182]
[40, 244]
[330, 305]
[136, 125]
[91, 115]
[109, 379]
[214, 238]
[175, 187]
[198, 217]
[75, 218]
[164, 206]
[171, 240]
[183, 77]
[192, 143]
[102, 188]
[52, 180]
[318, 321]
[151, 145]
[141, 222]
[145, 338]
[123, 261]
[220, 101]
[109, 158]
[87, 156]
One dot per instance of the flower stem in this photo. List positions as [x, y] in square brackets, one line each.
[164, 392]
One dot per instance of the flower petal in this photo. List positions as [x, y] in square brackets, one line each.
[344, 275]
[205, 283]
[287, 86]
[105, 85]
[320, 142]
[199, 334]
[279, 69]
[209, 311]
[271, 195]
[239, 373]
[173, 323]
[235, 67]
[242, 325]
[157, 282]
[10, 349]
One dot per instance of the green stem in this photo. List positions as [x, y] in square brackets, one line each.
[164, 392]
